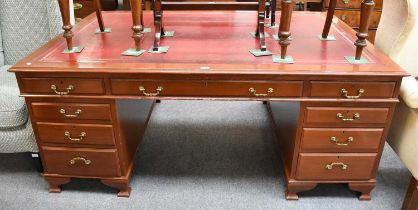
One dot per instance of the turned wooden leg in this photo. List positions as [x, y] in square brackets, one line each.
[364, 188]
[137, 28]
[98, 7]
[411, 198]
[65, 15]
[273, 12]
[294, 187]
[121, 185]
[328, 21]
[284, 28]
[367, 7]
[158, 13]
[55, 182]
[260, 24]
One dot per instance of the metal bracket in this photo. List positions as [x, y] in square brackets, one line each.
[268, 25]
[77, 49]
[329, 38]
[133, 52]
[168, 34]
[106, 30]
[259, 52]
[161, 49]
[265, 34]
[278, 59]
[352, 60]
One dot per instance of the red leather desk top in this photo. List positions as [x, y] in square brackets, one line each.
[220, 40]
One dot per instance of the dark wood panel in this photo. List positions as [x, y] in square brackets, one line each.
[64, 133]
[286, 117]
[330, 115]
[73, 111]
[314, 166]
[81, 162]
[133, 117]
[341, 139]
[334, 89]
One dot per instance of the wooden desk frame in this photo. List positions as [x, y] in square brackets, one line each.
[333, 100]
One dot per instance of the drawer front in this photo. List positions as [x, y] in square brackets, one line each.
[346, 116]
[341, 139]
[352, 18]
[352, 90]
[81, 162]
[213, 89]
[354, 4]
[82, 8]
[69, 111]
[335, 166]
[58, 86]
[77, 134]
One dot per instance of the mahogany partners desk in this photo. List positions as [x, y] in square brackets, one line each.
[89, 110]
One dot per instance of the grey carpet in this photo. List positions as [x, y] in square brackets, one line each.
[200, 155]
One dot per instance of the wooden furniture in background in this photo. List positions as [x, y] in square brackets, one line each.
[89, 110]
[83, 8]
[162, 5]
[367, 7]
[349, 12]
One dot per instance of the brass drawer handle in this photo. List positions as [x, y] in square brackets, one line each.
[355, 117]
[77, 6]
[343, 17]
[159, 90]
[335, 141]
[80, 158]
[346, 1]
[80, 138]
[254, 92]
[331, 166]
[359, 93]
[68, 90]
[75, 115]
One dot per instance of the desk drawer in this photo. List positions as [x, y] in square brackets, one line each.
[352, 18]
[335, 166]
[354, 4]
[81, 162]
[346, 116]
[347, 90]
[341, 139]
[78, 134]
[70, 111]
[58, 86]
[201, 88]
